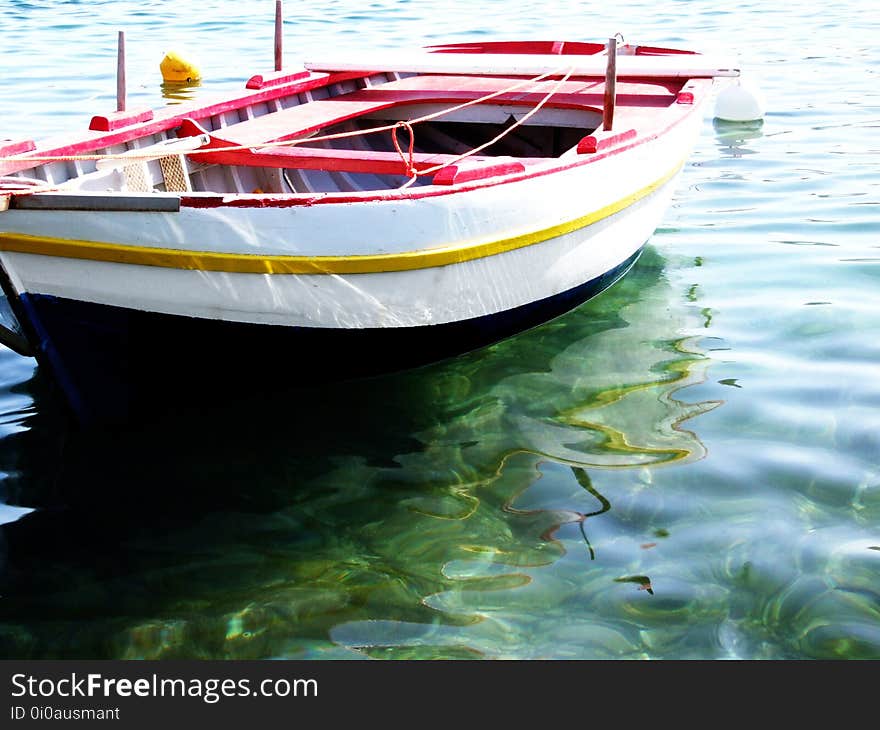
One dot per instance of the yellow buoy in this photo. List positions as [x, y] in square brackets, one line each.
[175, 68]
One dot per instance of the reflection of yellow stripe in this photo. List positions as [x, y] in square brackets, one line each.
[261, 264]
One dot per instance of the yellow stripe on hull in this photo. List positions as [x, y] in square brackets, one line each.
[279, 264]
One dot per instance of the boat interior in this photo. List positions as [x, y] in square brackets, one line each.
[367, 133]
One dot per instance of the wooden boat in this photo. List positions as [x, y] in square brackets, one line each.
[350, 218]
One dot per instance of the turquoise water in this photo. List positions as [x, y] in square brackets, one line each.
[686, 467]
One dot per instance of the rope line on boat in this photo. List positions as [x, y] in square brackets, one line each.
[408, 158]
[414, 174]
[417, 120]
[131, 156]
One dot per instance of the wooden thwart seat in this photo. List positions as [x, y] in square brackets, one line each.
[218, 151]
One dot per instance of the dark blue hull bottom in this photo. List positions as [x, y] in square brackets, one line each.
[113, 364]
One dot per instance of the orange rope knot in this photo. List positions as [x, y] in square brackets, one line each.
[406, 158]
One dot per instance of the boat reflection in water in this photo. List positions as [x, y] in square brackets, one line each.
[498, 504]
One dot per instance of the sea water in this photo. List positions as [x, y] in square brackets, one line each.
[687, 466]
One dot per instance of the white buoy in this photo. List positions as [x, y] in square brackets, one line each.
[739, 102]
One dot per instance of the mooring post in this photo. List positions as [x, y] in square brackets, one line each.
[610, 85]
[120, 73]
[278, 44]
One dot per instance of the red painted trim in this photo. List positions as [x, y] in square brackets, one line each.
[686, 94]
[264, 81]
[118, 120]
[468, 172]
[311, 158]
[526, 47]
[657, 51]
[592, 143]
[17, 147]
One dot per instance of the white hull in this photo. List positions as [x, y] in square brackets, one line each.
[290, 229]
[411, 298]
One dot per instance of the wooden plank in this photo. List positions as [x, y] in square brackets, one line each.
[514, 64]
[466, 171]
[149, 202]
[279, 36]
[294, 121]
[170, 146]
[264, 81]
[313, 158]
[610, 85]
[119, 120]
[120, 73]
[573, 93]
[9, 147]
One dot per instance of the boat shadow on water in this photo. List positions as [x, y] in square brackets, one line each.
[295, 522]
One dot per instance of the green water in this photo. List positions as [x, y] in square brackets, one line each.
[687, 466]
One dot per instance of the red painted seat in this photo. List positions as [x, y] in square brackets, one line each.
[230, 150]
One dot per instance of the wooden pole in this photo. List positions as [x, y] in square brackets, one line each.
[120, 73]
[278, 43]
[610, 85]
